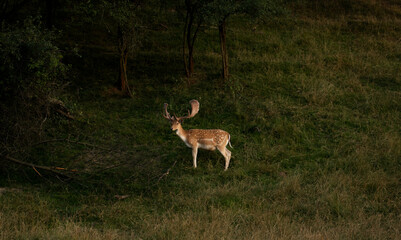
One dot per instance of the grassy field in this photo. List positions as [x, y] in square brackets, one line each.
[313, 107]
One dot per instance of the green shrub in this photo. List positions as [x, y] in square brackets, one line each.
[30, 77]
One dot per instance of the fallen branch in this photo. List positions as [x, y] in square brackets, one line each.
[59, 107]
[35, 167]
[71, 141]
[87, 144]
[164, 26]
[65, 114]
[166, 173]
[121, 197]
[37, 171]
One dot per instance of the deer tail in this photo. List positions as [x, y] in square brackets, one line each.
[229, 138]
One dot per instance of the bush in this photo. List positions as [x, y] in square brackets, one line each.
[30, 78]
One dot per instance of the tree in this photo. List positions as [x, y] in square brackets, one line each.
[193, 20]
[122, 21]
[124, 15]
[218, 11]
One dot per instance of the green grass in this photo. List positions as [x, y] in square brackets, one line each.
[313, 107]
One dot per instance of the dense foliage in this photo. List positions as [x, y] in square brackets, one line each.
[31, 76]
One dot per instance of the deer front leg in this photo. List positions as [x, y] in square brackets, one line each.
[194, 154]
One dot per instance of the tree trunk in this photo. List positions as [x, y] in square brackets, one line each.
[189, 38]
[122, 78]
[123, 82]
[184, 45]
[223, 46]
[189, 44]
[190, 60]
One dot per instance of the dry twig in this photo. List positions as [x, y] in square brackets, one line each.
[166, 173]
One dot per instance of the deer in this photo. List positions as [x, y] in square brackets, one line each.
[208, 139]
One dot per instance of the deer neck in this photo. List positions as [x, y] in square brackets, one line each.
[182, 133]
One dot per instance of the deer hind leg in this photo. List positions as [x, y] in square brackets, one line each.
[194, 155]
[227, 155]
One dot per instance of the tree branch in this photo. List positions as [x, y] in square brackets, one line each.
[35, 167]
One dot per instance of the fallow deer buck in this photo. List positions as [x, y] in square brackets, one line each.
[209, 139]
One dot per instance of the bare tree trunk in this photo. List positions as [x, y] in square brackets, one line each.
[190, 66]
[223, 46]
[122, 73]
[184, 44]
[189, 37]
[190, 60]
[122, 78]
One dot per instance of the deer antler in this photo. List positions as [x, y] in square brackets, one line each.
[166, 115]
[195, 109]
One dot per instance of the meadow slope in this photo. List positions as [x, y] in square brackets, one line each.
[313, 107]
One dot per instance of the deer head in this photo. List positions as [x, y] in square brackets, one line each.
[176, 121]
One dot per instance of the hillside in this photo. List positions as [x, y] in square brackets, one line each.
[313, 106]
